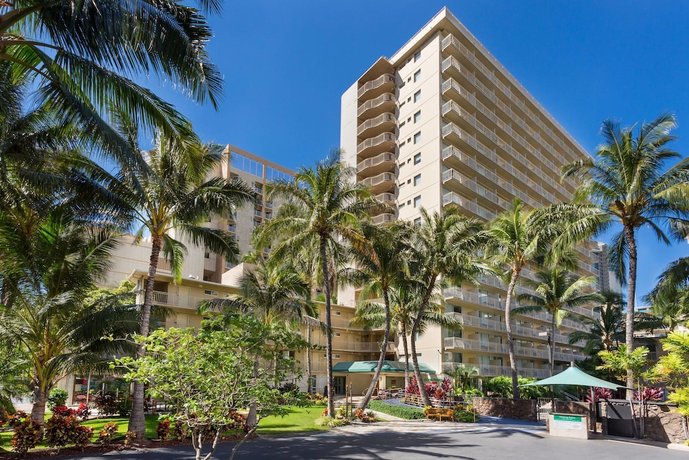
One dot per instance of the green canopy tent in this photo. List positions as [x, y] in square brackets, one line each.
[576, 377]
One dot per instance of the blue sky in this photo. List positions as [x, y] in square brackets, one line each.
[286, 63]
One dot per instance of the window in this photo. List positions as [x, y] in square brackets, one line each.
[417, 56]
[417, 96]
[210, 292]
[417, 201]
[403, 123]
[417, 116]
[417, 221]
[417, 158]
[417, 137]
[417, 179]
[417, 75]
[402, 103]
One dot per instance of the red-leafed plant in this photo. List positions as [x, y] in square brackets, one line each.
[82, 411]
[598, 394]
[27, 434]
[63, 411]
[651, 394]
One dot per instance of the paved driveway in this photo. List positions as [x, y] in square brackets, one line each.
[396, 441]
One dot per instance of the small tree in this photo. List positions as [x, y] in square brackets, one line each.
[673, 369]
[208, 375]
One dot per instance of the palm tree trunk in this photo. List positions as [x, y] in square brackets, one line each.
[137, 420]
[414, 331]
[328, 326]
[405, 347]
[631, 295]
[308, 359]
[508, 328]
[552, 344]
[38, 408]
[376, 375]
[252, 416]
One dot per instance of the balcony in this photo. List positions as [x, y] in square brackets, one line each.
[453, 199]
[371, 347]
[384, 162]
[452, 132]
[384, 218]
[374, 126]
[379, 183]
[451, 67]
[474, 345]
[453, 112]
[386, 198]
[454, 90]
[386, 102]
[382, 143]
[385, 82]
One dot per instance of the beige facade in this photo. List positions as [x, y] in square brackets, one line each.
[443, 124]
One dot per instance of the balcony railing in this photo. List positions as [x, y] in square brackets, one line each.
[375, 141]
[386, 98]
[386, 198]
[386, 157]
[379, 179]
[383, 218]
[376, 121]
[377, 83]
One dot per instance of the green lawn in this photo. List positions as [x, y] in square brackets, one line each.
[299, 419]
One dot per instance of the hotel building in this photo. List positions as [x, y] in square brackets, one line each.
[442, 124]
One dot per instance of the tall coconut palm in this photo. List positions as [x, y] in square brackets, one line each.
[53, 318]
[378, 264]
[444, 250]
[169, 197]
[324, 211]
[628, 183]
[670, 297]
[606, 328]
[82, 56]
[557, 292]
[514, 240]
[274, 294]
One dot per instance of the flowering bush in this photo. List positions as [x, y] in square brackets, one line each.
[650, 394]
[108, 433]
[27, 434]
[82, 411]
[63, 411]
[433, 389]
[598, 394]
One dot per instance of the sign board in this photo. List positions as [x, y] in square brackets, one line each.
[568, 425]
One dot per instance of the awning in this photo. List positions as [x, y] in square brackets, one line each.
[370, 366]
[576, 377]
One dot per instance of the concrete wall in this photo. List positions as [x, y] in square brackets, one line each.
[522, 409]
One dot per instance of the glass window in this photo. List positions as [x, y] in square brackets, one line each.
[417, 75]
[417, 221]
[417, 116]
[417, 179]
[417, 56]
[417, 137]
[417, 201]
[417, 95]
[417, 158]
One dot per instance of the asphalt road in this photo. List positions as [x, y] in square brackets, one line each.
[398, 441]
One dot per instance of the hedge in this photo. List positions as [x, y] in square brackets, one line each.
[408, 413]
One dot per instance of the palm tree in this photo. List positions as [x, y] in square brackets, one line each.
[606, 328]
[324, 211]
[58, 324]
[628, 183]
[169, 196]
[379, 263]
[670, 297]
[82, 55]
[557, 292]
[514, 240]
[444, 250]
[274, 294]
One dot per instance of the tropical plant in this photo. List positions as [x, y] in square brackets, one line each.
[53, 317]
[57, 397]
[620, 361]
[444, 250]
[670, 297]
[173, 195]
[82, 55]
[274, 294]
[323, 210]
[606, 327]
[514, 240]
[378, 264]
[557, 292]
[209, 374]
[628, 182]
[466, 377]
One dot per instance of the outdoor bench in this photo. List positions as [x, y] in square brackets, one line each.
[439, 413]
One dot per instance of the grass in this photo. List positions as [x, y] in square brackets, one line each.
[298, 420]
[405, 412]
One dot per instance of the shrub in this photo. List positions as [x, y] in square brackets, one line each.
[405, 412]
[107, 403]
[465, 414]
[63, 430]
[182, 431]
[502, 387]
[598, 394]
[163, 430]
[469, 392]
[108, 433]
[57, 397]
[341, 412]
[317, 399]
[27, 434]
[63, 411]
[364, 416]
[82, 411]
[330, 422]
[123, 408]
[433, 389]
[651, 394]
[129, 438]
